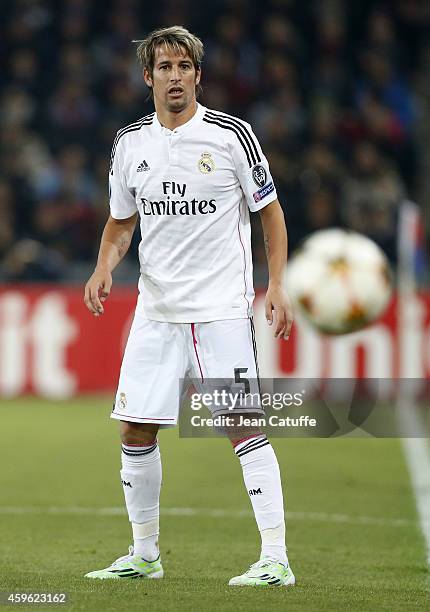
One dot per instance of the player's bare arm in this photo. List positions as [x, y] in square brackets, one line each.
[115, 242]
[277, 304]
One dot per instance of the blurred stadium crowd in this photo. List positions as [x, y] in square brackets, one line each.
[333, 89]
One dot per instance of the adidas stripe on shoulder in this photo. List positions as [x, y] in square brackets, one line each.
[133, 127]
[244, 135]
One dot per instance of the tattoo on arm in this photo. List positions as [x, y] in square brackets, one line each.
[122, 247]
[266, 245]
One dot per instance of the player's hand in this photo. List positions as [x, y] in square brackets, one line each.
[97, 290]
[279, 310]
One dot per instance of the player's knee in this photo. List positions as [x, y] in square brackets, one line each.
[246, 434]
[138, 433]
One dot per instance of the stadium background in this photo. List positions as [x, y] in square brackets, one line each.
[337, 93]
[343, 120]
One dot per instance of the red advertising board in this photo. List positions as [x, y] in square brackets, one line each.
[51, 345]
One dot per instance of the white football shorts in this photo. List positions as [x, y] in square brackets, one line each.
[162, 360]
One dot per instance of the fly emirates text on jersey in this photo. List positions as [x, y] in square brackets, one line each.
[169, 206]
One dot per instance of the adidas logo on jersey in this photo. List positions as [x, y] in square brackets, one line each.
[143, 167]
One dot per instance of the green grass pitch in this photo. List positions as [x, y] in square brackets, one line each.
[353, 535]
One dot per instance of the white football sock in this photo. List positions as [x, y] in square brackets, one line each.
[263, 483]
[141, 481]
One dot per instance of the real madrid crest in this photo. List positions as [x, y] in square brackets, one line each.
[122, 401]
[206, 163]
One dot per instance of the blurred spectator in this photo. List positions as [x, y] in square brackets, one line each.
[69, 175]
[322, 210]
[372, 195]
[29, 260]
[381, 82]
[71, 112]
[16, 107]
[7, 214]
[24, 71]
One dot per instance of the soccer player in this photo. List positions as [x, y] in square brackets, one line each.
[192, 175]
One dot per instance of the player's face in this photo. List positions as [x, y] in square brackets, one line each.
[173, 80]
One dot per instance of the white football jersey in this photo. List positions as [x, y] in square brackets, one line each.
[193, 188]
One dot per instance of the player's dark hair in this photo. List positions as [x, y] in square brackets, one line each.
[179, 39]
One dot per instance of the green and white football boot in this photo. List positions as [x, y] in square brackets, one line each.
[266, 572]
[130, 566]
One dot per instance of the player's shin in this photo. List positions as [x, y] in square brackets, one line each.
[263, 483]
[141, 480]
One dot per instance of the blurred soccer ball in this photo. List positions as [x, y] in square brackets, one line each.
[340, 281]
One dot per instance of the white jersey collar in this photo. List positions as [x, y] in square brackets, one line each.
[181, 129]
